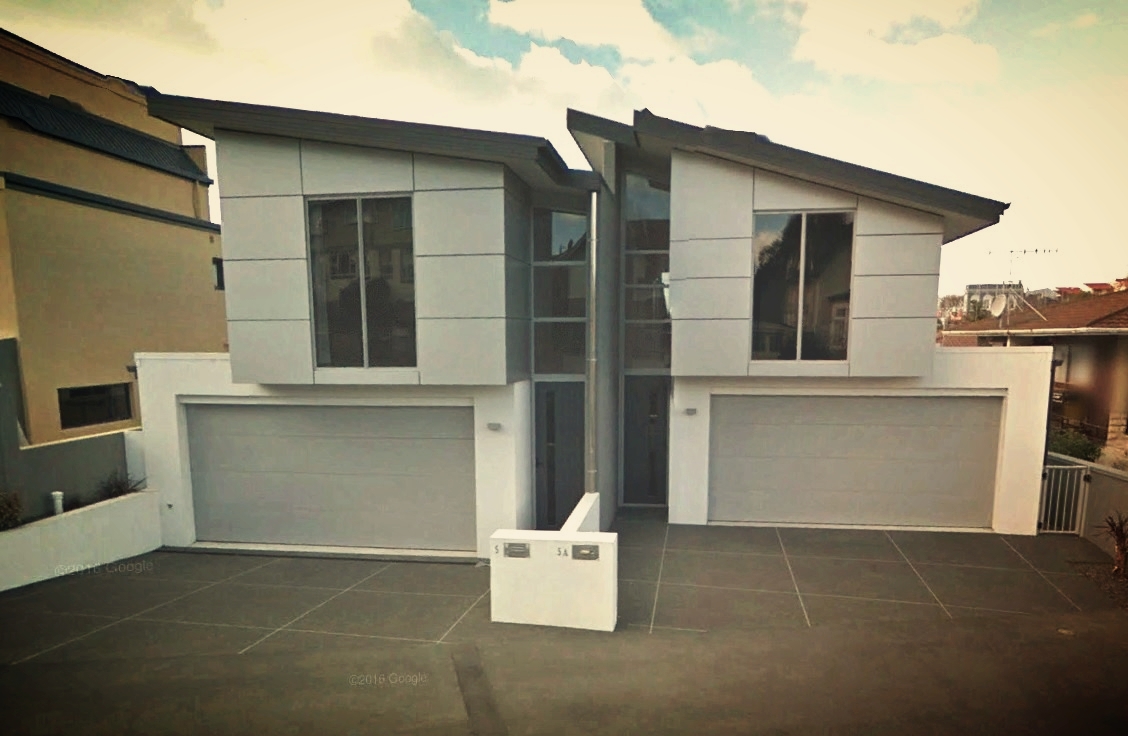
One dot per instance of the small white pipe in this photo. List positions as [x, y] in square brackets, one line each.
[57, 499]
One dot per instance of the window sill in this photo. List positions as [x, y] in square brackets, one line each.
[815, 368]
[366, 376]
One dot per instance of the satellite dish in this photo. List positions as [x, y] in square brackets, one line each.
[998, 305]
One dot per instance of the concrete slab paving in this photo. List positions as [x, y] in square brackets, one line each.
[1030, 647]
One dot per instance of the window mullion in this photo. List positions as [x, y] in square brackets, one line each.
[802, 279]
[361, 277]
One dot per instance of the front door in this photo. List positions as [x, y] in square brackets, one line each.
[646, 432]
[559, 450]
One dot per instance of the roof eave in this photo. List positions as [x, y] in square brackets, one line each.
[205, 117]
[756, 150]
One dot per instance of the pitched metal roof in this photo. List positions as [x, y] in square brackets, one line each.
[1103, 313]
[532, 158]
[90, 131]
[963, 213]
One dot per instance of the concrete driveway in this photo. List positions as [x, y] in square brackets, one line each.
[711, 578]
[722, 630]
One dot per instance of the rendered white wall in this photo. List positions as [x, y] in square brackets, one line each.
[87, 539]
[1020, 375]
[550, 587]
[503, 466]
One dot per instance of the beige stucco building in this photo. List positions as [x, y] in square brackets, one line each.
[106, 243]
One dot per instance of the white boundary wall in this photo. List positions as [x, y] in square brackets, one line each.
[84, 540]
[168, 381]
[1020, 375]
[552, 587]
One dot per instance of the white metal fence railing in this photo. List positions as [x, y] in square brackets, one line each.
[1065, 490]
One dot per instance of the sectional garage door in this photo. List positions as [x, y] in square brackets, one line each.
[926, 461]
[352, 476]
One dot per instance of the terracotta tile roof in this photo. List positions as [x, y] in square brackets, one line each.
[1069, 289]
[1100, 286]
[960, 341]
[1105, 310]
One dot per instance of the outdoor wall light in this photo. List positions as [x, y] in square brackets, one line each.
[494, 426]
[690, 411]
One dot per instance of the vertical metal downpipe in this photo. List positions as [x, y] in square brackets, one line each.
[590, 469]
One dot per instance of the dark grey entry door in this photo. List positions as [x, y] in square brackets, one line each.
[646, 439]
[559, 451]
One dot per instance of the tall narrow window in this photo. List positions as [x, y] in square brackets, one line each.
[646, 258]
[363, 282]
[560, 281]
[801, 285]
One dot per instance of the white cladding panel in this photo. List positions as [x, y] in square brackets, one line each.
[876, 255]
[709, 258]
[460, 222]
[460, 286]
[433, 172]
[883, 218]
[461, 351]
[894, 296]
[267, 290]
[724, 298]
[263, 227]
[271, 351]
[330, 168]
[779, 192]
[257, 165]
[709, 198]
[892, 347]
[710, 347]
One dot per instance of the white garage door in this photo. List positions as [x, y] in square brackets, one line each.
[398, 477]
[926, 461]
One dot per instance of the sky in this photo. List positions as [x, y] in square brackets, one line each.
[1023, 101]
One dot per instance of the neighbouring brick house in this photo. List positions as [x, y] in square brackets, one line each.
[1090, 339]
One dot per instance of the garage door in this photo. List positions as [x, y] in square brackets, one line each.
[353, 476]
[854, 460]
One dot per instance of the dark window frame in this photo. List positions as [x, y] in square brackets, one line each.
[801, 287]
[382, 268]
[88, 406]
[217, 273]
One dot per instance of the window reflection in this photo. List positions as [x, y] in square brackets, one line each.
[826, 285]
[647, 214]
[775, 286]
[559, 236]
[823, 244]
[384, 265]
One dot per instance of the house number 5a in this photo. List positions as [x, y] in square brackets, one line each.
[562, 552]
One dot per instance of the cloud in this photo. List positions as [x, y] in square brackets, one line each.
[625, 25]
[171, 20]
[389, 61]
[848, 39]
[1085, 20]
[1081, 22]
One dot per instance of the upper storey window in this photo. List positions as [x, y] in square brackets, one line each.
[646, 266]
[801, 285]
[363, 274]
